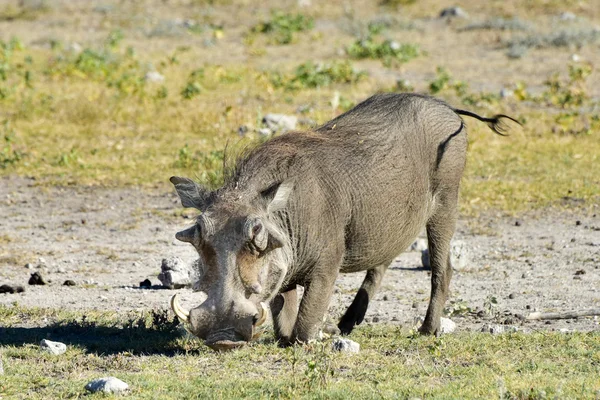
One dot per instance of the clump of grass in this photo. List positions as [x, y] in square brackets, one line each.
[10, 154]
[208, 166]
[283, 27]
[24, 10]
[564, 38]
[501, 24]
[443, 81]
[316, 75]
[193, 86]
[387, 50]
[571, 92]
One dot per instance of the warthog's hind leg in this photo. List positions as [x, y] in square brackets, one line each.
[357, 310]
[440, 229]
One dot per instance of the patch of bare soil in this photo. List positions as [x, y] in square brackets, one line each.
[109, 240]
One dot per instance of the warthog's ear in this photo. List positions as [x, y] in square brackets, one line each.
[277, 195]
[190, 193]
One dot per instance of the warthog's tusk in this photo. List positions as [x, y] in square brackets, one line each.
[263, 314]
[182, 314]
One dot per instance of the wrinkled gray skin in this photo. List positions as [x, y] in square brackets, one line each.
[301, 208]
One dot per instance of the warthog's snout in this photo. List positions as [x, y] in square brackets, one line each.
[223, 333]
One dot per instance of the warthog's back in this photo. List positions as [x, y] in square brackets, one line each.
[369, 178]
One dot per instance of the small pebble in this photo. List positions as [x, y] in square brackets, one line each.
[385, 297]
[107, 385]
[580, 272]
[577, 222]
[517, 223]
[36, 279]
[375, 319]
[512, 296]
[146, 284]
[69, 282]
[29, 266]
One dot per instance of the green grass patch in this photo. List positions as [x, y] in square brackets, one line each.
[393, 363]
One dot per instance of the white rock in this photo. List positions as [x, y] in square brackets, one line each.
[175, 274]
[51, 347]
[1, 367]
[492, 328]
[575, 58]
[451, 12]
[75, 48]
[447, 325]
[345, 345]
[505, 93]
[107, 385]
[154, 76]
[567, 16]
[280, 122]
[419, 244]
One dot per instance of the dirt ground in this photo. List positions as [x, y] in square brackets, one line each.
[108, 240]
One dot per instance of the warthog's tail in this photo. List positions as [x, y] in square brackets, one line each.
[495, 123]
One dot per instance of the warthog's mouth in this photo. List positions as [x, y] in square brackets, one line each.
[223, 339]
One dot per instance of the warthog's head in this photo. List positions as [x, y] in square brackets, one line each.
[242, 263]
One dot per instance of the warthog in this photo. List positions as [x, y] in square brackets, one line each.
[300, 208]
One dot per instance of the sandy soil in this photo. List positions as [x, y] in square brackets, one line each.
[108, 240]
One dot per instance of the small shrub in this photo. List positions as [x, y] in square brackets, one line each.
[387, 50]
[311, 75]
[283, 27]
[571, 92]
[501, 24]
[443, 81]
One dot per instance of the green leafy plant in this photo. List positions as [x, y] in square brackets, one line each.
[283, 27]
[9, 155]
[388, 50]
[443, 81]
[313, 75]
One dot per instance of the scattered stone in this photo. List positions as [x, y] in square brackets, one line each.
[146, 284]
[107, 385]
[280, 122]
[265, 132]
[175, 274]
[75, 48]
[512, 296]
[42, 260]
[1, 367]
[415, 304]
[56, 348]
[154, 76]
[345, 346]
[577, 223]
[419, 245]
[242, 130]
[36, 279]
[580, 272]
[498, 329]
[453, 12]
[517, 223]
[29, 266]
[506, 93]
[11, 289]
[375, 319]
[567, 16]
[447, 325]
[385, 297]
[525, 275]
[69, 282]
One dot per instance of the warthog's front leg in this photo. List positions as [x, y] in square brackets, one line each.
[284, 309]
